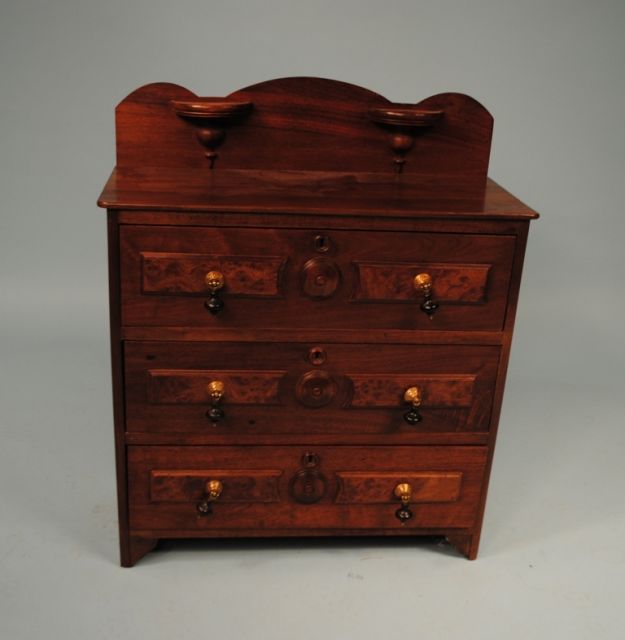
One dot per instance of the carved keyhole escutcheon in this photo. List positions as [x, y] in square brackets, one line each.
[320, 278]
[315, 389]
[308, 485]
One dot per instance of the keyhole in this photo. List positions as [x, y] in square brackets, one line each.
[321, 243]
[310, 460]
[317, 355]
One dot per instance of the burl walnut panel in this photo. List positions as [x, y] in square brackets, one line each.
[387, 390]
[172, 386]
[377, 487]
[388, 281]
[180, 273]
[239, 485]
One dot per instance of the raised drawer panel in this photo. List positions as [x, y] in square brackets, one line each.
[239, 485]
[358, 390]
[392, 282]
[375, 487]
[189, 386]
[285, 278]
[349, 487]
[437, 390]
[184, 274]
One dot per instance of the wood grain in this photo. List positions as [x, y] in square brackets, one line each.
[311, 159]
[341, 306]
[180, 273]
[387, 390]
[327, 512]
[167, 386]
[292, 125]
[166, 381]
[375, 487]
[240, 485]
[392, 282]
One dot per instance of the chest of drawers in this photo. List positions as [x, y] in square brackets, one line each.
[312, 294]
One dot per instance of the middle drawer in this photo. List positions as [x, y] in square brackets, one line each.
[221, 390]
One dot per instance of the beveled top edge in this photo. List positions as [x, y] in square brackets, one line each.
[262, 192]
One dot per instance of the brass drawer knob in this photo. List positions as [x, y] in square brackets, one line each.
[212, 492]
[403, 491]
[412, 396]
[216, 390]
[423, 284]
[214, 489]
[214, 281]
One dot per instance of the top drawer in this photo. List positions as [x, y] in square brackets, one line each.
[291, 278]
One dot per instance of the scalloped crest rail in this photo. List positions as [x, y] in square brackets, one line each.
[306, 124]
[312, 293]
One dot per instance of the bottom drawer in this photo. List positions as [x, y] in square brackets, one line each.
[262, 488]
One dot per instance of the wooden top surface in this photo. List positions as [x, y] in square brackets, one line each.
[306, 192]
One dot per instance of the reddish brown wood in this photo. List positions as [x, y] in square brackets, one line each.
[466, 544]
[240, 485]
[513, 298]
[211, 116]
[392, 282]
[387, 390]
[457, 389]
[138, 545]
[398, 117]
[219, 437]
[179, 274]
[315, 389]
[343, 336]
[302, 193]
[342, 300]
[126, 547]
[177, 386]
[293, 124]
[327, 512]
[319, 240]
[320, 277]
[496, 222]
[404, 123]
[371, 487]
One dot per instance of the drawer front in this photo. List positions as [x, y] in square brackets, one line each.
[295, 388]
[292, 278]
[212, 488]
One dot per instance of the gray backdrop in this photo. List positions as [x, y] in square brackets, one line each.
[552, 555]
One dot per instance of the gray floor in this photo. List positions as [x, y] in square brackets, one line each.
[552, 561]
